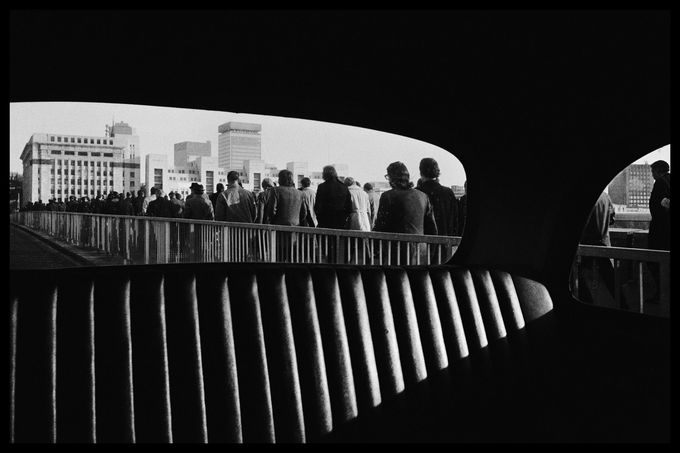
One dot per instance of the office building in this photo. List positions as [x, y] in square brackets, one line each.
[632, 187]
[60, 166]
[237, 143]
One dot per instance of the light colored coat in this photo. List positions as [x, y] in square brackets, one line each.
[359, 217]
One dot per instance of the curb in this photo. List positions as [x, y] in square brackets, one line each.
[55, 245]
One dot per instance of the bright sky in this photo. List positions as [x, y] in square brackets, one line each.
[663, 153]
[366, 152]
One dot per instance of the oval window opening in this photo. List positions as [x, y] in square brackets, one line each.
[274, 189]
[623, 259]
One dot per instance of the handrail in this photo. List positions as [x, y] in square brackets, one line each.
[637, 257]
[165, 240]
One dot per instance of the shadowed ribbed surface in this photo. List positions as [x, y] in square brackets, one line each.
[263, 353]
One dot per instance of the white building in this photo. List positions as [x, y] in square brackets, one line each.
[60, 166]
[238, 143]
[173, 178]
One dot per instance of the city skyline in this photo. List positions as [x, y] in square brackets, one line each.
[366, 152]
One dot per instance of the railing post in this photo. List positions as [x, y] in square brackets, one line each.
[641, 286]
[225, 249]
[167, 242]
[146, 242]
[617, 282]
[272, 246]
[665, 285]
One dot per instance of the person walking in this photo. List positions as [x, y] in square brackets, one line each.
[262, 198]
[215, 195]
[235, 204]
[308, 200]
[284, 206]
[443, 200]
[404, 209]
[659, 236]
[592, 269]
[197, 205]
[359, 215]
[177, 205]
[149, 199]
[333, 204]
[373, 202]
[160, 207]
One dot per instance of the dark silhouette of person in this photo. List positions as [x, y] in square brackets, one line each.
[660, 225]
[659, 236]
[215, 195]
[333, 204]
[444, 202]
[404, 209]
[596, 232]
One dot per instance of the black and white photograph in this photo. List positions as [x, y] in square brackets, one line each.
[342, 226]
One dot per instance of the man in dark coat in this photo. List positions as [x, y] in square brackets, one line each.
[197, 205]
[462, 211]
[160, 207]
[596, 232]
[216, 195]
[262, 198]
[284, 206]
[443, 199]
[333, 203]
[659, 236]
[660, 226]
[177, 205]
[404, 209]
[235, 204]
[308, 199]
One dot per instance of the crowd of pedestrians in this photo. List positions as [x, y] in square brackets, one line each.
[426, 208]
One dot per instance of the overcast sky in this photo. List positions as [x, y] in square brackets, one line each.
[367, 152]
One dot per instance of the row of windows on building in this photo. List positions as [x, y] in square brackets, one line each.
[99, 173]
[57, 152]
[92, 182]
[80, 163]
[76, 192]
[174, 178]
[182, 171]
[91, 141]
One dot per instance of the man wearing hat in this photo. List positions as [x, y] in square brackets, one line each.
[197, 205]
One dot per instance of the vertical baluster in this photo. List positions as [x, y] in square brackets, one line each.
[641, 285]
[617, 282]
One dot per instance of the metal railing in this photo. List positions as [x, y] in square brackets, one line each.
[150, 240]
[635, 272]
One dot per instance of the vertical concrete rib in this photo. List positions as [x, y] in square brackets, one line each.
[383, 332]
[406, 322]
[489, 307]
[310, 353]
[360, 339]
[336, 347]
[282, 362]
[429, 323]
[452, 324]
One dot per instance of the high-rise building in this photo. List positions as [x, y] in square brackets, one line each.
[126, 138]
[187, 151]
[237, 143]
[632, 187]
[61, 166]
